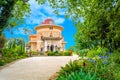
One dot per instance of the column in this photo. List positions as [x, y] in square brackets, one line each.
[45, 45]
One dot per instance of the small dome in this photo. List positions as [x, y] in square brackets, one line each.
[48, 21]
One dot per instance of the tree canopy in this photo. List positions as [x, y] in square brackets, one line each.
[12, 12]
[97, 21]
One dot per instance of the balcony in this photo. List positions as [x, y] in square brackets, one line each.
[31, 41]
[51, 38]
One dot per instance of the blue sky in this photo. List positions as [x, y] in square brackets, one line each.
[40, 13]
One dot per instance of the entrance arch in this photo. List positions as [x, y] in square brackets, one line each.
[52, 48]
[48, 48]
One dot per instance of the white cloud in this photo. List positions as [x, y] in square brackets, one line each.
[34, 5]
[19, 31]
[47, 9]
[36, 21]
[41, 12]
[58, 20]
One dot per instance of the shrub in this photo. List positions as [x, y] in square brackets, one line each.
[74, 66]
[97, 52]
[115, 56]
[33, 52]
[56, 53]
[2, 62]
[66, 53]
[100, 63]
[9, 55]
[50, 53]
[83, 52]
[41, 53]
[79, 75]
[102, 70]
[59, 53]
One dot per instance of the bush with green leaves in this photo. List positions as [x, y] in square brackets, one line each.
[115, 56]
[73, 66]
[103, 69]
[9, 55]
[59, 53]
[15, 42]
[14, 49]
[79, 75]
[67, 53]
[83, 52]
[98, 51]
[33, 52]
[56, 53]
[41, 53]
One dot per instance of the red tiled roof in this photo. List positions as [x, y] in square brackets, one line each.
[48, 21]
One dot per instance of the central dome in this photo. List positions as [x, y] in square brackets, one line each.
[48, 21]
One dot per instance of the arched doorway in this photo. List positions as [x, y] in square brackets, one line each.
[48, 48]
[41, 49]
[56, 48]
[52, 48]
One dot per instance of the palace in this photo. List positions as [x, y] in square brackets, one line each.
[48, 37]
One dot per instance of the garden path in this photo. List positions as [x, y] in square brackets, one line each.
[34, 68]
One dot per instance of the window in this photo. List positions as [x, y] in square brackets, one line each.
[41, 37]
[48, 48]
[51, 28]
[51, 35]
[41, 49]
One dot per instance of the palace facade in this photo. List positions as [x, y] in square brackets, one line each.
[48, 37]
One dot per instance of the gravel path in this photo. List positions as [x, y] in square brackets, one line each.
[34, 68]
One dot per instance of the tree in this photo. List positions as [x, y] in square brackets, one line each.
[13, 43]
[12, 12]
[100, 25]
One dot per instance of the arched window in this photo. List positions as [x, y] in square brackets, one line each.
[48, 48]
[41, 49]
[41, 37]
[51, 28]
[56, 48]
[51, 35]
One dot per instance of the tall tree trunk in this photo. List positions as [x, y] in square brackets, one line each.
[5, 14]
[2, 42]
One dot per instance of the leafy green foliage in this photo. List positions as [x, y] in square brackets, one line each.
[97, 52]
[14, 49]
[9, 55]
[97, 21]
[2, 42]
[83, 52]
[16, 43]
[59, 53]
[114, 57]
[33, 52]
[56, 53]
[12, 12]
[79, 75]
[71, 66]
[101, 68]
[41, 1]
